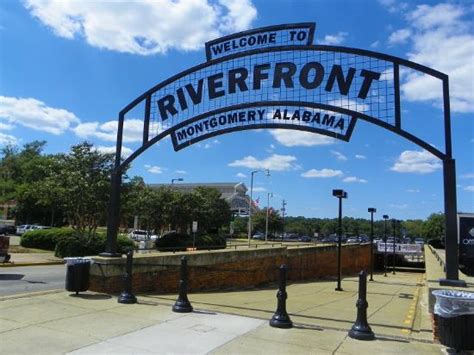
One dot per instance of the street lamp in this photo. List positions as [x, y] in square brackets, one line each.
[267, 173]
[340, 194]
[385, 217]
[394, 223]
[371, 210]
[178, 179]
[269, 194]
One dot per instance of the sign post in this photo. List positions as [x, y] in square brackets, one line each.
[466, 240]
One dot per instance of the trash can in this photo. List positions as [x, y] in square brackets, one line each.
[77, 275]
[455, 313]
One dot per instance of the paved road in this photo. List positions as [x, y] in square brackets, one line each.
[24, 279]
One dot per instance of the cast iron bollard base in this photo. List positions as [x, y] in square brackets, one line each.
[361, 328]
[281, 319]
[127, 296]
[182, 304]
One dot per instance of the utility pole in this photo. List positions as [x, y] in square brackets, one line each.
[283, 210]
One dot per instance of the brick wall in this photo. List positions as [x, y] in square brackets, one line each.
[226, 269]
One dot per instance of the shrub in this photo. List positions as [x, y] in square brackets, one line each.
[75, 245]
[44, 238]
[174, 241]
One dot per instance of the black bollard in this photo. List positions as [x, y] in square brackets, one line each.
[361, 328]
[127, 296]
[281, 319]
[182, 304]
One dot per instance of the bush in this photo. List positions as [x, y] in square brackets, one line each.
[65, 242]
[44, 238]
[174, 241]
[75, 245]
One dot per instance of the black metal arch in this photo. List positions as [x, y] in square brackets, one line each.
[446, 156]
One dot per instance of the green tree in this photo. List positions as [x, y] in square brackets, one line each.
[433, 228]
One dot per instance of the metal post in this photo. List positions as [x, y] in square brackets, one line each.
[339, 247]
[361, 329]
[127, 296]
[182, 304]
[269, 194]
[250, 207]
[385, 217]
[372, 210]
[394, 222]
[281, 319]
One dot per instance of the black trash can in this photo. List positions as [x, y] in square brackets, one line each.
[77, 275]
[455, 313]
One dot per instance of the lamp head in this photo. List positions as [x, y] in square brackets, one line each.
[339, 193]
[372, 210]
[385, 216]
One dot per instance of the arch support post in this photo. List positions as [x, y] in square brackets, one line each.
[451, 227]
[113, 215]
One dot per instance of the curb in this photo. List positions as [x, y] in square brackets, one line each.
[31, 264]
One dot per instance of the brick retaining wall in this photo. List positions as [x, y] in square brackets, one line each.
[226, 269]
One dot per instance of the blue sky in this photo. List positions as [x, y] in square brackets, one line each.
[68, 68]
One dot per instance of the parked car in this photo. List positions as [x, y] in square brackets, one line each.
[353, 240]
[419, 241]
[7, 229]
[141, 235]
[306, 239]
[258, 236]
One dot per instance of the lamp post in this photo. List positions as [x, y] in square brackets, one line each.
[269, 194]
[267, 173]
[385, 217]
[340, 194]
[394, 223]
[371, 210]
[178, 179]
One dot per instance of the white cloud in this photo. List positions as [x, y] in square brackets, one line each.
[132, 130]
[354, 179]
[420, 162]
[7, 139]
[442, 38]
[323, 173]
[290, 138]
[467, 176]
[259, 189]
[394, 6]
[469, 188]
[335, 39]
[399, 36]
[339, 155]
[6, 126]
[413, 190]
[360, 156]
[126, 152]
[181, 172]
[375, 44]
[143, 27]
[35, 114]
[154, 169]
[241, 175]
[274, 162]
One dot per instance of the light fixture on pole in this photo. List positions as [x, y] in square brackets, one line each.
[371, 210]
[177, 179]
[385, 217]
[340, 194]
[267, 173]
[269, 194]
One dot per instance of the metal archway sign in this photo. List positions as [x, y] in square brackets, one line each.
[274, 77]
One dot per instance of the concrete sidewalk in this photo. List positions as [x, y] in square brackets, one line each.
[32, 259]
[222, 323]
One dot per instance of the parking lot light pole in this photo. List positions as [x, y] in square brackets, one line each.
[267, 173]
[340, 194]
[371, 210]
[385, 217]
[178, 179]
[394, 223]
[269, 194]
